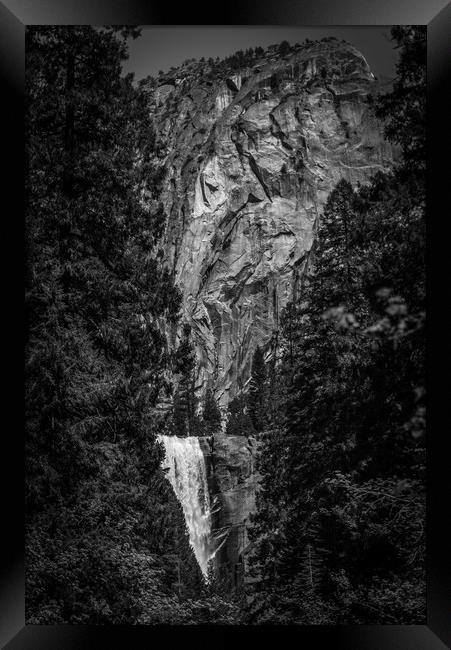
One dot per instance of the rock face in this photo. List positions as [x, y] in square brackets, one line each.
[233, 482]
[251, 158]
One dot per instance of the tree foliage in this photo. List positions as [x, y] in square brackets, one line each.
[239, 422]
[185, 418]
[258, 390]
[211, 414]
[338, 536]
[404, 109]
[106, 538]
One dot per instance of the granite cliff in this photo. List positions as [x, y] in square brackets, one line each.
[232, 481]
[251, 156]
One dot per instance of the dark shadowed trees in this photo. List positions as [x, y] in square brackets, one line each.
[404, 109]
[185, 419]
[211, 414]
[338, 536]
[239, 422]
[257, 393]
[284, 48]
[102, 521]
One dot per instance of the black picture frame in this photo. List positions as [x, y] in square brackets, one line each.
[435, 634]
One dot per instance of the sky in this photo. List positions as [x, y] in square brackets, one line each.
[159, 48]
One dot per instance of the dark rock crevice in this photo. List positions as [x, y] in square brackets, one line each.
[231, 85]
[277, 132]
[258, 174]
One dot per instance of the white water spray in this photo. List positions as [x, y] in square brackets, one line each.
[188, 476]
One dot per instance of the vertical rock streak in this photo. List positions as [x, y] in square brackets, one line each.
[188, 477]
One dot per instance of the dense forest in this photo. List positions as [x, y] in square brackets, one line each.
[106, 540]
[338, 534]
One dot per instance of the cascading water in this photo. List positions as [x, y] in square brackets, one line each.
[188, 477]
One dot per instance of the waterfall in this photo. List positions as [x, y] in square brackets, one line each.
[188, 477]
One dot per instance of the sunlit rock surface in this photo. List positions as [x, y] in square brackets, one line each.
[251, 160]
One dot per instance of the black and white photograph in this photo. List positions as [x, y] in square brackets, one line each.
[226, 312]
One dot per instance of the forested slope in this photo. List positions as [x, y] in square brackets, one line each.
[338, 536]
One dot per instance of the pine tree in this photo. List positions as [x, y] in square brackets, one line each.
[258, 390]
[284, 48]
[179, 414]
[211, 413]
[404, 109]
[239, 422]
[185, 421]
[333, 273]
